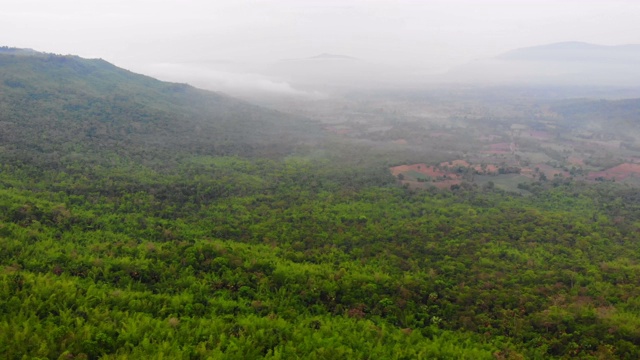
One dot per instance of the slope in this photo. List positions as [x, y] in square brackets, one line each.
[165, 249]
[52, 105]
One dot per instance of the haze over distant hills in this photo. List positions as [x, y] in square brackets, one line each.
[147, 219]
[332, 70]
[566, 63]
[314, 77]
[309, 77]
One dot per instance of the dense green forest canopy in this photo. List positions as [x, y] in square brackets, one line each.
[52, 107]
[142, 219]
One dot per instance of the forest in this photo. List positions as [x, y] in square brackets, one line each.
[142, 219]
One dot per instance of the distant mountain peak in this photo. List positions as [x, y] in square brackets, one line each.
[569, 44]
[572, 51]
[563, 63]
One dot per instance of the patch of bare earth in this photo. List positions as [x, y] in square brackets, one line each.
[619, 172]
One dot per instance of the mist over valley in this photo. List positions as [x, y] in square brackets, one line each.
[320, 180]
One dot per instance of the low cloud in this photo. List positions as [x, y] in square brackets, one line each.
[236, 83]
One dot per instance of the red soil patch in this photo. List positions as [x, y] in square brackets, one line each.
[574, 160]
[404, 168]
[528, 172]
[420, 168]
[443, 176]
[619, 172]
[444, 171]
[400, 142]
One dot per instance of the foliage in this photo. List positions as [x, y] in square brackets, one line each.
[182, 253]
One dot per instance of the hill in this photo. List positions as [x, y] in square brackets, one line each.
[573, 52]
[567, 63]
[52, 103]
[143, 219]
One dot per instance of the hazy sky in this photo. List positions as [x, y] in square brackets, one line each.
[432, 35]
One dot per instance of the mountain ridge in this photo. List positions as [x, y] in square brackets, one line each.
[95, 106]
[573, 51]
[566, 63]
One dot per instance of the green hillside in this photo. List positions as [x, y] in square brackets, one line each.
[141, 219]
[53, 105]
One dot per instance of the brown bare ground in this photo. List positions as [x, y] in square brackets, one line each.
[443, 172]
[490, 169]
[421, 168]
[619, 172]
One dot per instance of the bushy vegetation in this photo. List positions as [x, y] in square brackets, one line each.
[171, 251]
